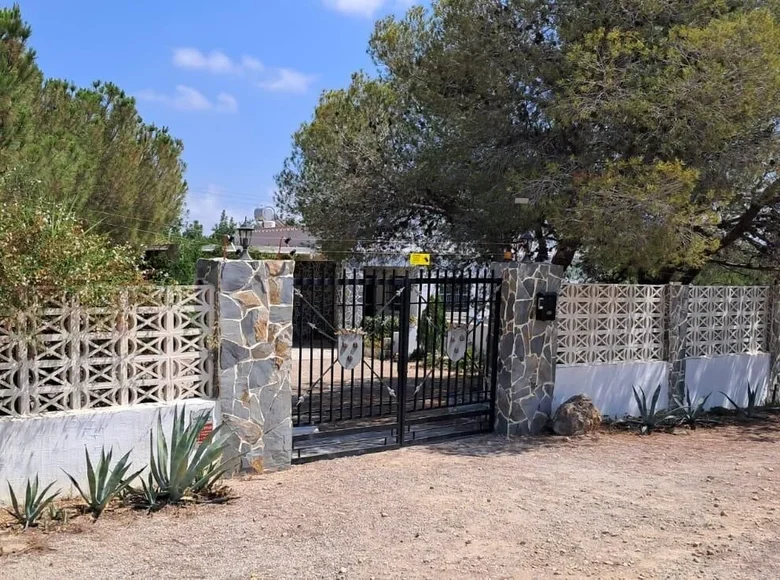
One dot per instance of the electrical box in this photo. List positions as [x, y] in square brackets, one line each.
[546, 304]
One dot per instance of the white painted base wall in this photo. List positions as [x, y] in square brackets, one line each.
[730, 374]
[49, 444]
[609, 385]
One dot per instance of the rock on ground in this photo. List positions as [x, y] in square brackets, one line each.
[577, 416]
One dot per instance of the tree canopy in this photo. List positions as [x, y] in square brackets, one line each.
[89, 147]
[644, 133]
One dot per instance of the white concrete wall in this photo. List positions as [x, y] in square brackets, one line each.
[730, 374]
[51, 443]
[609, 385]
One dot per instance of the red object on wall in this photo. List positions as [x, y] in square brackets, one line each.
[207, 428]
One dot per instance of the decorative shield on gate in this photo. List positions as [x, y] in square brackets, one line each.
[350, 347]
[456, 342]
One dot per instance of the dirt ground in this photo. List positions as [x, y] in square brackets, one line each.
[700, 504]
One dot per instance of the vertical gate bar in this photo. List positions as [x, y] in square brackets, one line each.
[371, 340]
[380, 320]
[417, 305]
[322, 345]
[443, 344]
[484, 333]
[426, 339]
[392, 301]
[458, 303]
[479, 337]
[495, 311]
[300, 351]
[353, 325]
[321, 381]
[312, 387]
[342, 291]
[435, 343]
[468, 365]
[403, 356]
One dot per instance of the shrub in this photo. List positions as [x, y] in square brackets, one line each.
[433, 326]
[752, 403]
[379, 327]
[46, 253]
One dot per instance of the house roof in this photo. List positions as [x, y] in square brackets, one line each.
[270, 237]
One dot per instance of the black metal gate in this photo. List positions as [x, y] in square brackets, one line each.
[410, 359]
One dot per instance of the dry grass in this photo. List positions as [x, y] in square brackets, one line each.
[700, 504]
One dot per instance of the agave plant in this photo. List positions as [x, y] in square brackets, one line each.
[752, 402]
[104, 485]
[34, 503]
[180, 465]
[689, 413]
[649, 417]
[150, 493]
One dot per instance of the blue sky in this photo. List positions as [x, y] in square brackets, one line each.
[232, 79]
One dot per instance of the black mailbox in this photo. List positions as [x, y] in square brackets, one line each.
[546, 303]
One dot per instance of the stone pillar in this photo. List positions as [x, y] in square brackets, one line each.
[773, 384]
[675, 339]
[527, 350]
[254, 314]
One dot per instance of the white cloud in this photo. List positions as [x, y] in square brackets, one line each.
[281, 80]
[285, 80]
[365, 8]
[226, 103]
[215, 62]
[188, 99]
[250, 63]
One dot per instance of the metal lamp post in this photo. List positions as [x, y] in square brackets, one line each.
[244, 235]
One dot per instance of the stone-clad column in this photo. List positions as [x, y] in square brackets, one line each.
[254, 313]
[675, 339]
[527, 350]
[773, 384]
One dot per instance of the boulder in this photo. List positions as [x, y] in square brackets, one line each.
[577, 416]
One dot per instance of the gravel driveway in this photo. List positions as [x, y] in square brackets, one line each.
[703, 504]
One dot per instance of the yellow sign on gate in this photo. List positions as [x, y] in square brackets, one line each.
[420, 259]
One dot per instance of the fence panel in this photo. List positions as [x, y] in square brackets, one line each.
[153, 346]
[610, 323]
[724, 320]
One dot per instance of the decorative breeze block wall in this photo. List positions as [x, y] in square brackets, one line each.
[151, 346]
[610, 323]
[724, 320]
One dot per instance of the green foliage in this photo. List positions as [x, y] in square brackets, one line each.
[433, 327]
[87, 146]
[46, 252]
[104, 485]
[180, 465]
[150, 493]
[752, 402]
[643, 132]
[380, 327]
[649, 416]
[688, 413]
[34, 503]
[189, 241]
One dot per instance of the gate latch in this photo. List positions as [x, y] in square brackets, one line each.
[546, 305]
